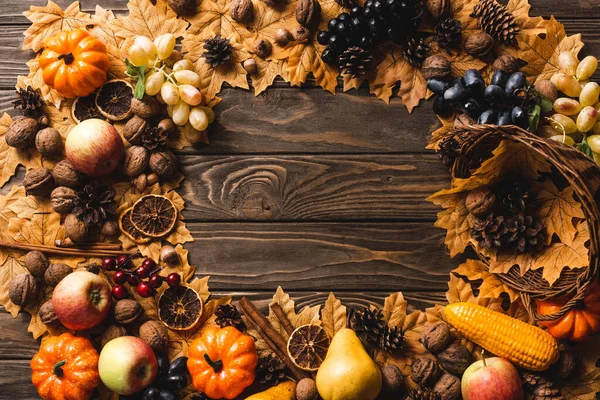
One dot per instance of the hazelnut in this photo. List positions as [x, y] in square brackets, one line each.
[152, 179]
[38, 182]
[241, 10]
[167, 125]
[66, 175]
[455, 359]
[436, 9]
[134, 129]
[392, 379]
[36, 263]
[145, 108]
[272, 3]
[480, 201]
[47, 314]
[447, 387]
[425, 371]
[112, 332]
[307, 11]
[140, 182]
[182, 7]
[263, 48]
[436, 337]
[92, 267]
[250, 65]
[169, 256]
[283, 37]
[56, 272]
[163, 164]
[478, 44]
[136, 160]
[156, 335]
[110, 229]
[436, 66]
[547, 89]
[306, 389]
[23, 289]
[21, 133]
[49, 142]
[62, 199]
[506, 63]
[126, 311]
[300, 34]
[76, 229]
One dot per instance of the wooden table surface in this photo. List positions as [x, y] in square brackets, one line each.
[298, 188]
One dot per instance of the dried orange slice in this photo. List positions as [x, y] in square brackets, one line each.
[85, 108]
[307, 346]
[154, 215]
[113, 100]
[179, 307]
[129, 230]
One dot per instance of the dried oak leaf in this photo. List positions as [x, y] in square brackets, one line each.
[394, 309]
[333, 315]
[491, 285]
[12, 157]
[552, 259]
[47, 20]
[308, 315]
[104, 30]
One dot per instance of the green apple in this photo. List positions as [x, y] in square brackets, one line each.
[127, 365]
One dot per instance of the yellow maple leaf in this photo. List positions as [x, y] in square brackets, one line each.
[104, 30]
[11, 157]
[491, 285]
[394, 310]
[529, 26]
[333, 315]
[306, 316]
[49, 19]
[15, 194]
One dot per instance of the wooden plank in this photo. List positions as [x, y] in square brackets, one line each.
[15, 381]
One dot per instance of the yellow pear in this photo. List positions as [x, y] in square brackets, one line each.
[284, 391]
[348, 373]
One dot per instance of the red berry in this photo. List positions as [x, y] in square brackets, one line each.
[132, 279]
[120, 276]
[144, 289]
[173, 280]
[155, 281]
[119, 292]
[142, 272]
[123, 261]
[149, 263]
[108, 264]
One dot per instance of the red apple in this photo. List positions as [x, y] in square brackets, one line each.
[94, 147]
[81, 300]
[492, 379]
[127, 365]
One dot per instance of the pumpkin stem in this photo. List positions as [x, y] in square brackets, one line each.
[57, 369]
[67, 58]
[217, 366]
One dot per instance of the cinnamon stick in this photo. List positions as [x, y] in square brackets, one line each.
[68, 244]
[65, 251]
[273, 339]
[283, 319]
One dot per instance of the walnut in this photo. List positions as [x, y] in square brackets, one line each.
[112, 332]
[56, 272]
[126, 311]
[506, 63]
[156, 335]
[250, 65]
[480, 201]
[436, 9]
[307, 11]
[478, 44]
[263, 48]
[36, 263]
[167, 125]
[283, 37]
[66, 175]
[435, 66]
[392, 380]
[565, 366]
[39, 182]
[134, 128]
[272, 3]
[547, 88]
[436, 337]
[425, 371]
[49, 142]
[145, 108]
[455, 359]
[62, 199]
[110, 229]
[447, 387]
[182, 7]
[47, 314]
[300, 34]
[163, 164]
[169, 256]
[21, 133]
[76, 229]
[136, 160]
[140, 182]
[241, 10]
[23, 289]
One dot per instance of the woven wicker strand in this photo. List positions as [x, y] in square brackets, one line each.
[477, 142]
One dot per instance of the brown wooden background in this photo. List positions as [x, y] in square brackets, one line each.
[298, 188]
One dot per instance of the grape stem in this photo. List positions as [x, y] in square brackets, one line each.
[168, 77]
[562, 128]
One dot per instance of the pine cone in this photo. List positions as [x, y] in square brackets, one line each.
[496, 21]
[346, 3]
[95, 204]
[355, 61]
[29, 101]
[154, 138]
[490, 231]
[415, 51]
[526, 232]
[228, 315]
[270, 370]
[391, 339]
[422, 393]
[448, 32]
[514, 194]
[218, 51]
[368, 325]
[539, 387]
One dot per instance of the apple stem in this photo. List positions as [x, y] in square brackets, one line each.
[217, 366]
[483, 357]
[57, 369]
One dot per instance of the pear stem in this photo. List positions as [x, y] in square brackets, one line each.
[483, 357]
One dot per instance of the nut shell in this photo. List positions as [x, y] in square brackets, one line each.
[167, 125]
[447, 387]
[111, 228]
[156, 335]
[23, 289]
[163, 164]
[547, 88]
[307, 12]
[425, 371]
[480, 201]
[478, 44]
[134, 129]
[300, 34]
[306, 389]
[62, 199]
[263, 48]
[182, 7]
[436, 9]
[66, 175]
[436, 337]
[47, 314]
[36, 263]
[436, 66]
[145, 108]
[392, 379]
[126, 311]
[136, 161]
[506, 63]
[455, 359]
[49, 142]
[169, 256]
[250, 65]
[283, 37]
[76, 229]
[39, 182]
[21, 133]
[241, 10]
[56, 273]
[112, 332]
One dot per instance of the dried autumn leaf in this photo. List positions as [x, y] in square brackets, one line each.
[36, 81]
[11, 267]
[266, 72]
[36, 327]
[460, 291]
[511, 158]
[11, 157]
[491, 285]
[333, 315]
[47, 20]
[394, 310]
[306, 316]
[15, 194]
[440, 133]
[529, 26]
[104, 30]
[585, 384]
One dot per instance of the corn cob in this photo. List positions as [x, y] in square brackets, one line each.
[525, 345]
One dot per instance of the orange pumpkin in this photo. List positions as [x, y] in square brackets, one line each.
[65, 368]
[222, 362]
[578, 323]
[74, 63]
